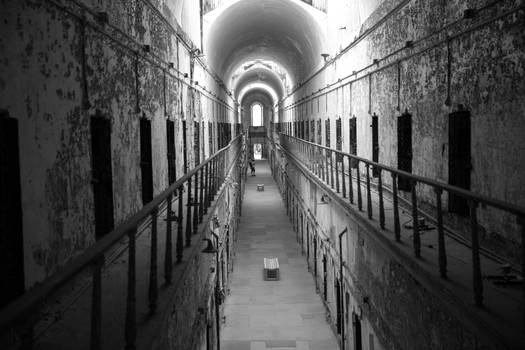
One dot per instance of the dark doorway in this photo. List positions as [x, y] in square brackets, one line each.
[325, 279]
[459, 159]
[170, 139]
[319, 133]
[210, 138]
[312, 131]
[353, 140]
[375, 143]
[327, 132]
[197, 143]
[404, 149]
[337, 287]
[11, 233]
[146, 167]
[184, 147]
[356, 322]
[307, 132]
[102, 175]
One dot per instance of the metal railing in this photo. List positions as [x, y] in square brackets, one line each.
[201, 185]
[335, 169]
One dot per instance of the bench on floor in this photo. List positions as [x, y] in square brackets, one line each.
[271, 269]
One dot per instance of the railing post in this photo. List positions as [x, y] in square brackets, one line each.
[442, 255]
[195, 204]
[343, 177]
[415, 221]
[350, 181]
[188, 213]
[395, 204]
[381, 202]
[368, 194]
[180, 238]
[201, 194]
[331, 169]
[359, 195]
[336, 172]
[131, 322]
[207, 188]
[168, 261]
[96, 305]
[153, 292]
[476, 264]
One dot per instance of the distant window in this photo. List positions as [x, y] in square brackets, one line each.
[257, 115]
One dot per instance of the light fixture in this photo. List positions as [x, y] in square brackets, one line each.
[469, 13]
[324, 199]
[171, 65]
[146, 48]
[325, 56]
[409, 43]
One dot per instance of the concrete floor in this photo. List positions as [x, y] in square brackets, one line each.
[277, 315]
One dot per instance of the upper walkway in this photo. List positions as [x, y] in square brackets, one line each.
[271, 314]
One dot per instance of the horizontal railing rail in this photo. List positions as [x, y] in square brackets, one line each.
[201, 185]
[334, 168]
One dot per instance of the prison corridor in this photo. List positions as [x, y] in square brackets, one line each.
[282, 314]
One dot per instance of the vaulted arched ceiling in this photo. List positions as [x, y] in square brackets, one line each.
[283, 31]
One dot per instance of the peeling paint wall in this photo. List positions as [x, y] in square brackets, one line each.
[62, 62]
[450, 63]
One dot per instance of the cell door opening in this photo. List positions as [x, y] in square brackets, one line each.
[257, 151]
[375, 143]
[338, 138]
[170, 140]
[459, 159]
[356, 323]
[353, 140]
[11, 233]
[404, 149]
[102, 175]
[196, 143]
[146, 166]
[337, 287]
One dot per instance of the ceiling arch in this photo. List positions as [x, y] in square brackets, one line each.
[283, 31]
[259, 75]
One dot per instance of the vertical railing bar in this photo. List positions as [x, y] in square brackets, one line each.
[195, 203]
[442, 255]
[188, 213]
[343, 177]
[336, 172]
[350, 181]
[476, 264]
[201, 194]
[153, 292]
[415, 222]
[131, 321]
[395, 204]
[359, 194]
[381, 202]
[180, 237]
[168, 261]
[368, 193]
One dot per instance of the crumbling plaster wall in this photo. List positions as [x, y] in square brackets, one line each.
[387, 299]
[453, 63]
[60, 65]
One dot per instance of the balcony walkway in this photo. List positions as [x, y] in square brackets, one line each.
[273, 315]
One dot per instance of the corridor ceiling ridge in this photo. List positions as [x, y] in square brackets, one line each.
[288, 33]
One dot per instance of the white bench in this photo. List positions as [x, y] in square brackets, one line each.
[271, 269]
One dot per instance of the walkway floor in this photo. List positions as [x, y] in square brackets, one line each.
[276, 315]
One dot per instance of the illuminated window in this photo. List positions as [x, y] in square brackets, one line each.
[257, 113]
